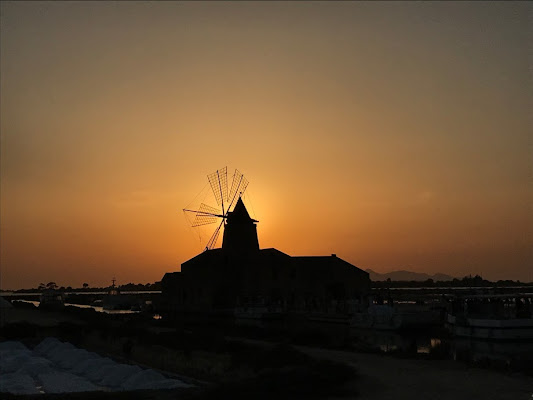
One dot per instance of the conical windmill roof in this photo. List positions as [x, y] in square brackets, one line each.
[239, 213]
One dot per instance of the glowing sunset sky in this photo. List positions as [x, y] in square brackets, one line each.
[396, 135]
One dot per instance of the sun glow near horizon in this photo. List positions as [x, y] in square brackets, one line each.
[394, 135]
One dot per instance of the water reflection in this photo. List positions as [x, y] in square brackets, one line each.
[515, 355]
[96, 308]
[101, 309]
[508, 353]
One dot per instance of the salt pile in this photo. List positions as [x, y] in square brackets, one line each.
[11, 345]
[64, 382]
[118, 373]
[97, 371]
[13, 362]
[141, 378]
[87, 366]
[36, 366]
[59, 367]
[71, 358]
[17, 384]
[150, 379]
[13, 355]
[46, 345]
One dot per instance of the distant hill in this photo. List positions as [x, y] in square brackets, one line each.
[407, 276]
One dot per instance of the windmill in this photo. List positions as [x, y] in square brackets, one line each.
[225, 199]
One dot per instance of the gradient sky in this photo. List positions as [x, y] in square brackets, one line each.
[396, 135]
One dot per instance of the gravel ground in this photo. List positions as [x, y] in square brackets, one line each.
[384, 377]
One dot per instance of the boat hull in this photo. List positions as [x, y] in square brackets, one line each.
[491, 329]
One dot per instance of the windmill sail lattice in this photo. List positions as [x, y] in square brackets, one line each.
[206, 214]
[219, 184]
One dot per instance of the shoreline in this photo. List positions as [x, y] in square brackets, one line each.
[380, 376]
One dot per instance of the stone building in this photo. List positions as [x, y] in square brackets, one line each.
[241, 274]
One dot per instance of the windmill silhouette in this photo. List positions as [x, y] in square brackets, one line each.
[225, 199]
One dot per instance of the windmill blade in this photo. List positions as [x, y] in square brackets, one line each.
[204, 215]
[219, 184]
[213, 241]
[208, 210]
[203, 220]
[238, 186]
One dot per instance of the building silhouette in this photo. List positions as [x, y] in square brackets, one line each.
[240, 274]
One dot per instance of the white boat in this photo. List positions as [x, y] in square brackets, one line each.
[397, 316]
[493, 317]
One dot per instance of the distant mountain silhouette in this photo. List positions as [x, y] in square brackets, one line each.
[407, 276]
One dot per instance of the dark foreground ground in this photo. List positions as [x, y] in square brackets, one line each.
[224, 365]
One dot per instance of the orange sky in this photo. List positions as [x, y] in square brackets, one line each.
[396, 135]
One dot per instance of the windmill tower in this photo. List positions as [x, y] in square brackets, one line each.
[240, 231]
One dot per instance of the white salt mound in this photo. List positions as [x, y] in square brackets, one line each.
[118, 374]
[12, 349]
[63, 382]
[57, 353]
[97, 374]
[150, 379]
[89, 366]
[17, 384]
[46, 345]
[161, 384]
[14, 361]
[70, 358]
[12, 345]
[36, 366]
[141, 378]
[21, 368]
[166, 384]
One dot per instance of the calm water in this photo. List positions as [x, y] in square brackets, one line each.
[434, 343]
[438, 344]
[96, 308]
